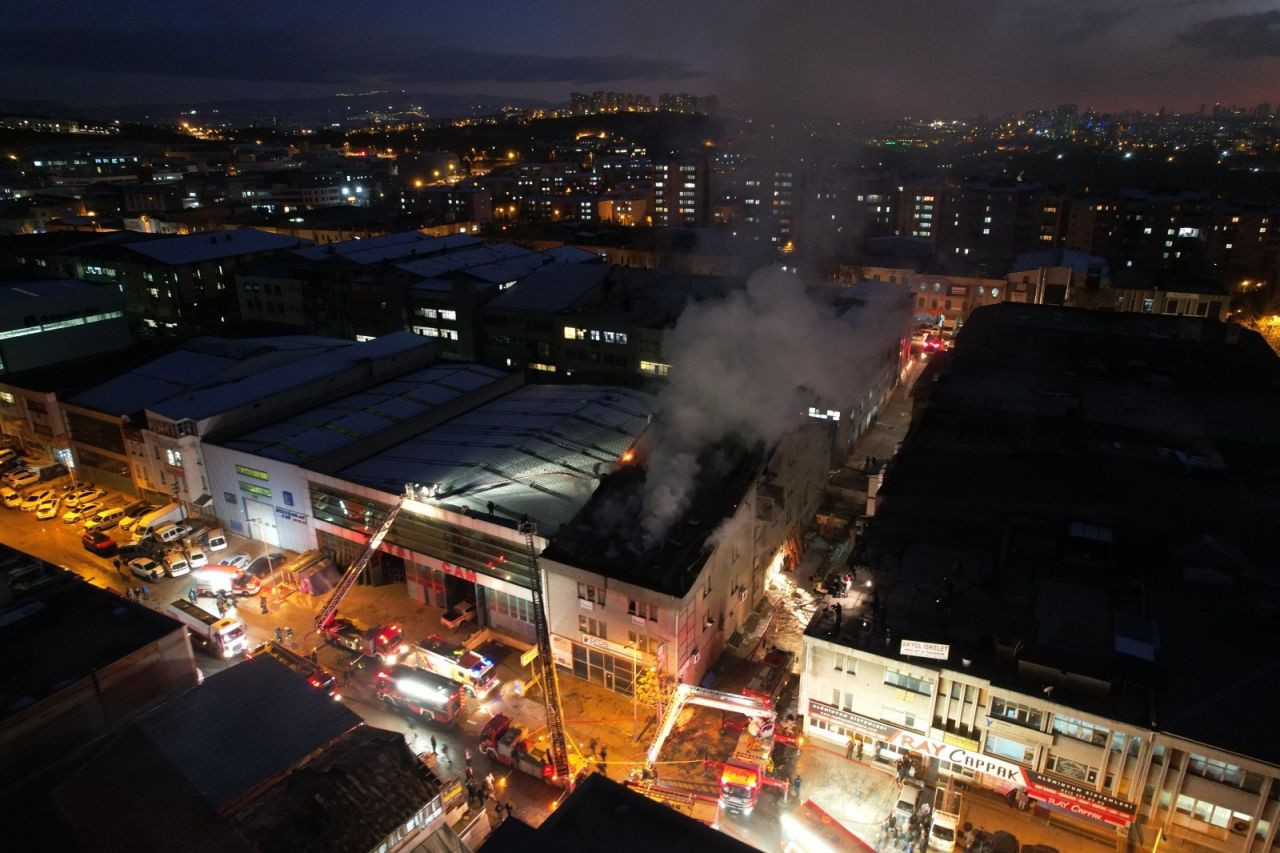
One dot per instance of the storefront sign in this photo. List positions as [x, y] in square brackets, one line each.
[292, 515]
[849, 720]
[920, 649]
[1078, 800]
[962, 742]
[958, 755]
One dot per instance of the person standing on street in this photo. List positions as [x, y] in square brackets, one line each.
[262, 604]
[859, 750]
[795, 786]
[433, 744]
[191, 595]
[466, 755]
[849, 747]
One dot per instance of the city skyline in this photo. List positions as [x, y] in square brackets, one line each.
[868, 60]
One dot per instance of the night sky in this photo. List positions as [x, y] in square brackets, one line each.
[855, 58]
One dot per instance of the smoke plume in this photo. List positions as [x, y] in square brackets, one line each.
[748, 366]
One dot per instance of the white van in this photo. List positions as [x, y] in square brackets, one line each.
[217, 540]
[106, 519]
[908, 800]
[171, 532]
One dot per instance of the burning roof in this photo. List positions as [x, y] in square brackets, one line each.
[607, 535]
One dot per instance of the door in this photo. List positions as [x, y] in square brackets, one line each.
[262, 522]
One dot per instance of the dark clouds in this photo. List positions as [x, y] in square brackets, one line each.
[860, 58]
[290, 54]
[1236, 36]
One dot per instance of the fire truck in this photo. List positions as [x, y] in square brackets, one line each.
[315, 674]
[383, 642]
[506, 744]
[474, 671]
[421, 693]
[747, 770]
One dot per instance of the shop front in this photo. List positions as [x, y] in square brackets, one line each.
[962, 757]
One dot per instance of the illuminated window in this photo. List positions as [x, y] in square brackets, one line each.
[656, 368]
[255, 490]
[173, 457]
[252, 472]
[546, 368]
[447, 314]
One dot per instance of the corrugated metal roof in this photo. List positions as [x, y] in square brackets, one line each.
[211, 246]
[454, 261]
[338, 423]
[552, 288]
[271, 715]
[532, 451]
[370, 250]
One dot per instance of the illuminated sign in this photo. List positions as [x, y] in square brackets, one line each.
[919, 649]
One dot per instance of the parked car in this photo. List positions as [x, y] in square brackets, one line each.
[34, 499]
[48, 509]
[197, 558]
[81, 512]
[176, 564]
[24, 477]
[9, 497]
[217, 540]
[138, 549]
[97, 542]
[85, 496]
[240, 561]
[105, 519]
[133, 512]
[256, 579]
[146, 568]
[458, 615]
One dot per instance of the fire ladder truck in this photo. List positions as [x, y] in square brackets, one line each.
[747, 769]
[382, 640]
[550, 687]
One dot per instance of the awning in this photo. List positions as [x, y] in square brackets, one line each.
[202, 501]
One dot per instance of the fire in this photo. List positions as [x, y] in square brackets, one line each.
[628, 457]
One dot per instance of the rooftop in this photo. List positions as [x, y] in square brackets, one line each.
[1088, 481]
[555, 288]
[201, 363]
[213, 246]
[533, 451]
[336, 424]
[1078, 261]
[602, 816]
[35, 658]
[473, 255]
[606, 537]
[244, 727]
[347, 799]
[387, 247]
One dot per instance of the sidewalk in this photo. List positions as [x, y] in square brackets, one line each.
[986, 810]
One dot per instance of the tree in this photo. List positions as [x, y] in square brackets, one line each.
[654, 689]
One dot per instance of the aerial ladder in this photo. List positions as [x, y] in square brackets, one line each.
[689, 694]
[550, 687]
[330, 609]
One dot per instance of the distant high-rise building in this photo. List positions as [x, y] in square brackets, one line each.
[680, 195]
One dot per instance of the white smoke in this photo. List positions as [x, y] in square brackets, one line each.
[748, 366]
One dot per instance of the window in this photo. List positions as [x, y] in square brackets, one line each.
[252, 472]
[1010, 749]
[448, 314]
[656, 368]
[6, 397]
[642, 609]
[545, 368]
[908, 682]
[510, 605]
[1023, 715]
[594, 627]
[255, 490]
[594, 594]
[643, 642]
[229, 497]
[847, 664]
[1218, 771]
[1080, 730]
[173, 457]
[426, 331]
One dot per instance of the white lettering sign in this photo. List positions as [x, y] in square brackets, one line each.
[974, 761]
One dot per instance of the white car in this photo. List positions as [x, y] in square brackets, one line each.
[146, 568]
[240, 561]
[85, 496]
[197, 558]
[48, 509]
[81, 512]
[25, 477]
[34, 499]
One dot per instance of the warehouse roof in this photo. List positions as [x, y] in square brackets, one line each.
[338, 423]
[371, 250]
[212, 246]
[534, 451]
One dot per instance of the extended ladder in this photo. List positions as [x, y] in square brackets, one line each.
[330, 610]
[550, 687]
